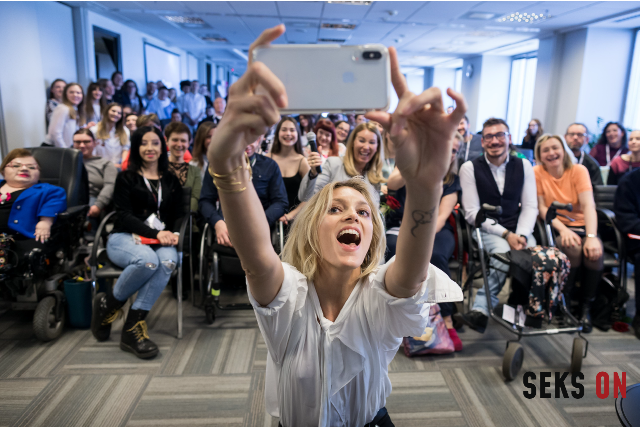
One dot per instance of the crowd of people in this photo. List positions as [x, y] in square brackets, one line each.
[140, 150]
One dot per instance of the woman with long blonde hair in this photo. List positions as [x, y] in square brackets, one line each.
[67, 117]
[362, 158]
[112, 135]
[332, 317]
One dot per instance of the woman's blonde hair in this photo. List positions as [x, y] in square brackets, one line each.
[373, 169]
[103, 133]
[302, 249]
[566, 161]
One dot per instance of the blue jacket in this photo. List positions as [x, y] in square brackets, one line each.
[268, 183]
[39, 200]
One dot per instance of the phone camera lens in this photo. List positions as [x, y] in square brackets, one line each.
[371, 54]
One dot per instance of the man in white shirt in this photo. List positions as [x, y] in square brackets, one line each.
[194, 106]
[185, 88]
[161, 105]
[152, 91]
[483, 181]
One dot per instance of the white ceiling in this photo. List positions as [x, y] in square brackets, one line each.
[425, 33]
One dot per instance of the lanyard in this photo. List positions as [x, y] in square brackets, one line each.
[466, 156]
[159, 198]
[581, 158]
[609, 154]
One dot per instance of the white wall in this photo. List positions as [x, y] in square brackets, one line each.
[55, 29]
[132, 45]
[471, 91]
[21, 75]
[494, 88]
[444, 78]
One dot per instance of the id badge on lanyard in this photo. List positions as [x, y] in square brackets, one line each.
[159, 197]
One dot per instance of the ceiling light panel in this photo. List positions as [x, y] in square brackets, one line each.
[478, 16]
[344, 11]
[396, 11]
[300, 9]
[525, 17]
[341, 26]
[218, 7]
[438, 12]
[255, 8]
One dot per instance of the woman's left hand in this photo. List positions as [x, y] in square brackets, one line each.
[420, 129]
[43, 229]
[592, 248]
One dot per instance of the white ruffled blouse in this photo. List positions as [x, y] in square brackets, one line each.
[329, 374]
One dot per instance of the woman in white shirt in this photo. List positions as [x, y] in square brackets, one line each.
[55, 98]
[332, 317]
[67, 117]
[112, 135]
[94, 104]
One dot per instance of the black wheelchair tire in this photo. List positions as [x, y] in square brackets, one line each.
[576, 355]
[44, 325]
[512, 361]
[210, 313]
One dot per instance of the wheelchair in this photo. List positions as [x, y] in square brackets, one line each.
[478, 267]
[103, 269]
[216, 259]
[37, 283]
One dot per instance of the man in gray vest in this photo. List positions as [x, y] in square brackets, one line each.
[484, 180]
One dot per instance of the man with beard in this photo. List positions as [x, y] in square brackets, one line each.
[472, 145]
[577, 136]
[483, 181]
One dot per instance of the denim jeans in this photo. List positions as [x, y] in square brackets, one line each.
[147, 269]
[494, 244]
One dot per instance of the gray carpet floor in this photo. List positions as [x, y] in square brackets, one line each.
[215, 375]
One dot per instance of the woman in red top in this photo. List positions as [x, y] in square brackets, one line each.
[626, 162]
[558, 179]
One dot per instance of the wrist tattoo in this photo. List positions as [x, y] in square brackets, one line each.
[421, 218]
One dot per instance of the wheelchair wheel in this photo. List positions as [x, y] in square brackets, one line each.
[44, 320]
[576, 355]
[512, 361]
[210, 313]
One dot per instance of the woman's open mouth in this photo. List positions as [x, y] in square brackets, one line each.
[349, 238]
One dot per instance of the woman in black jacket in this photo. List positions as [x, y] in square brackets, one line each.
[147, 200]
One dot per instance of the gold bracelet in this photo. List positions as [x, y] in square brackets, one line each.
[225, 178]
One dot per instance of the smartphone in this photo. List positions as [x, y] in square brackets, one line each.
[330, 78]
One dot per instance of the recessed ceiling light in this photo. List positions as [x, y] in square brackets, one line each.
[185, 20]
[338, 26]
[353, 3]
[478, 15]
[524, 18]
[214, 38]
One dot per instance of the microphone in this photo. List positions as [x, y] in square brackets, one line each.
[311, 138]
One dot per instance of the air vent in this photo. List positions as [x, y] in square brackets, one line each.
[214, 39]
[185, 20]
[332, 40]
[338, 26]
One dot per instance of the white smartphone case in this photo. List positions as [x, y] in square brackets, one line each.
[330, 78]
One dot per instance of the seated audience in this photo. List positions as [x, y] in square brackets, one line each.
[360, 118]
[161, 105]
[100, 171]
[129, 97]
[483, 180]
[471, 148]
[178, 139]
[173, 95]
[130, 122]
[152, 91]
[55, 98]
[268, 183]
[626, 206]
[67, 117]
[200, 146]
[28, 208]
[126, 110]
[219, 105]
[147, 200]
[577, 136]
[559, 180]
[362, 158]
[611, 144]
[307, 123]
[625, 163]
[108, 90]
[444, 243]
[327, 141]
[176, 117]
[534, 131]
[149, 120]
[287, 153]
[111, 135]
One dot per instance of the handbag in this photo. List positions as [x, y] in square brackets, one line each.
[434, 340]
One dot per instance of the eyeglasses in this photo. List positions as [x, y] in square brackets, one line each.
[502, 136]
[83, 142]
[577, 135]
[18, 166]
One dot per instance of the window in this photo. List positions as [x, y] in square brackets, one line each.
[520, 104]
[632, 108]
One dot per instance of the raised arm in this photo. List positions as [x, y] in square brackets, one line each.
[423, 136]
[253, 107]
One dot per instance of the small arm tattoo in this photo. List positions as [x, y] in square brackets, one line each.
[421, 218]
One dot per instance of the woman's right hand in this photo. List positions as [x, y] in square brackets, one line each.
[252, 109]
[222, 234]
[570, 238]
[167, 238]
[314, 160]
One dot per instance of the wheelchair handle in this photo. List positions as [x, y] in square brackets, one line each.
[552, 211]
[562, 206]
[482, 214]
[489, 208]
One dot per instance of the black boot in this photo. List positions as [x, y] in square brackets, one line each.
[106, 309]
[135, 338]
[636, 325]
[589, 285]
